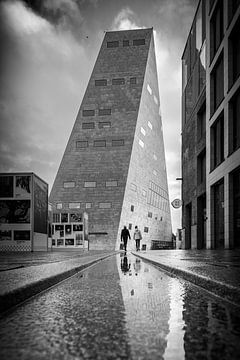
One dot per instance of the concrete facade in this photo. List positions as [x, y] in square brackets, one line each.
[211, 202]
[114, 164]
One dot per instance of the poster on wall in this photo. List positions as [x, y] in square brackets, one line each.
[77, 227]
[79, 239]
[15, 211]
[68, 229]
[5, 235]
[76, 217]
[23, 186]
[21, 235]
[40, 206]
[6, 186]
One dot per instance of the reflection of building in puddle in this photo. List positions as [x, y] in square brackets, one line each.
[175, 342]
[137, 265]
[216, 332]
[147, 305]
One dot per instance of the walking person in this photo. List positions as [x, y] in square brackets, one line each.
[137, 237]
[124, 237]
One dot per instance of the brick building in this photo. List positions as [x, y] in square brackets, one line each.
[211, 127]
[113, 167]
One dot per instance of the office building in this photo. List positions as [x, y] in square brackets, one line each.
[113, 167]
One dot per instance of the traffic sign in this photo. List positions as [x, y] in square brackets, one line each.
[176, 203]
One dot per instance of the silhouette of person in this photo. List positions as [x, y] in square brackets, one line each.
[124, 236]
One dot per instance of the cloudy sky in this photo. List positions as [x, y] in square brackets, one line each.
[48, 49]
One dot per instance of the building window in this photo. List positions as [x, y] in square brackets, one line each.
[64, 217]
[125, 42]
[119, 142]
[90, 125]
[234, 54]
[132, 208]
[74, 205]
[141, 143]
[88, 112]
[150, 125]
[101, 82]
[90, 184]
[99, 143]
[104, 124]
[102, 112]
[232, 8]
[56, 218]
[59, 206]
[111, 183]
[130, 226]
[133, 80]
[201, 123]
[150, 214]
[112, 44]
[216, 28]
[201, 168]
[88, 205]
[234, 123]
[69, 184]
[217, 85]
[81, 144]
[145, 229]
[143, 131]
[133, 187]
[149, 89]
[105, 205]
[138, 42]
[217, 142]
[118, 81]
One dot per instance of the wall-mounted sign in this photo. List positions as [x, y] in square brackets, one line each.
[176, 203]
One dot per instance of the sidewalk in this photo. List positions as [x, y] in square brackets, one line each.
[217, 271]
[23, 275]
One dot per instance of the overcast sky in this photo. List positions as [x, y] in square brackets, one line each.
[48, 49]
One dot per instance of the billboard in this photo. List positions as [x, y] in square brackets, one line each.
[15, 211]
[40, 206]
[23, 186]
[6, 186]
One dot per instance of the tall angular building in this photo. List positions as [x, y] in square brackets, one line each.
[113, 167]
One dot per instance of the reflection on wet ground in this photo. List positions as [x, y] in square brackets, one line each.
[167, 318]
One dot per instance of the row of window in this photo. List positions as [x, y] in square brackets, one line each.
[116, 81]
[217, 132]
[101, 112]
[149, 89]
[78, 205]
[90, 184]
[80, 144]
[116, 43]
[157, 201]
[101, 125]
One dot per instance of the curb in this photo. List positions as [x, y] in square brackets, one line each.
[223, 290]
[15, 297]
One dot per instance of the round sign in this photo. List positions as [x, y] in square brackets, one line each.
[176, 203]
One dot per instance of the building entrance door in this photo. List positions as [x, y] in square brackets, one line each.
[219, 215]
[236, 208]
[201, 222]
[188, 239]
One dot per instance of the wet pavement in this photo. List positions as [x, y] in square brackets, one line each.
[122, 308]
[215, 270]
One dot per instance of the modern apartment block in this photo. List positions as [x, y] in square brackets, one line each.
[113, 167]
[211, 127]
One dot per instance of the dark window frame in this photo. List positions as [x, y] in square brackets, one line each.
[88, 112]
[139, 42]
[101, 82]
[89, 125]
[112, 44]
